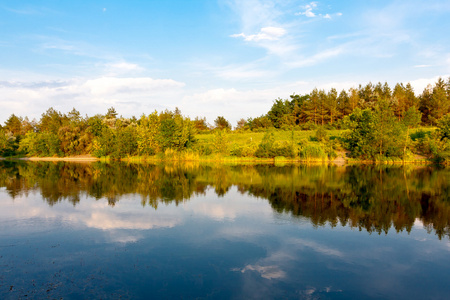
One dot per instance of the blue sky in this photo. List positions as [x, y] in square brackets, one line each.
[210, 57]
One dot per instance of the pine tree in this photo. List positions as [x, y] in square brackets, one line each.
[332, 105]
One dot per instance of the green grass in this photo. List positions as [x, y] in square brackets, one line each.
[246, 137]
[307, 149]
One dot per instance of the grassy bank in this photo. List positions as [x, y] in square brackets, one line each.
[281, 146]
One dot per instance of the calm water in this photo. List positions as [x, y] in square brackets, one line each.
[78, 231]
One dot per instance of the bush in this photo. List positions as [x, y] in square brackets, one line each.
[419, 134]
[310, 151]
[268, 148]
[444, 127]
[203, 149]
[321, 134]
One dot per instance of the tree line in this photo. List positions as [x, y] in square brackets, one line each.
[320, 107]
[379, 122]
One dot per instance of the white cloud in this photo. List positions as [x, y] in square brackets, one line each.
[130, 95]
[231, 103]
[106, 86]
[266, 33]
[420, 84]
[308, 10]
[124, 66]
[316, 58]
[121, 68]
[256, 14]
[266, 21]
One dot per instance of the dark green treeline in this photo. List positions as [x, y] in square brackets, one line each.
[373, 198]
[378, 119]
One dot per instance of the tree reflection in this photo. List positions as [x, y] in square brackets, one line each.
[373, 198]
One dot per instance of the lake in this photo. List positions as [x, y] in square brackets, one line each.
[143, 231]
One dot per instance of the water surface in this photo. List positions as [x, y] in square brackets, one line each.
[97, 230]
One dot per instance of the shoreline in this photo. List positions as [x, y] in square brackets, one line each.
[81, 158]
[338, 161]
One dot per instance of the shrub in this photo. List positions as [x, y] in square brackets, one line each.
[419, 134]
[321, 134]
[310, 151]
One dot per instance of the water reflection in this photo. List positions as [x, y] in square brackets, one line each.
[373, 198]
[114, 231]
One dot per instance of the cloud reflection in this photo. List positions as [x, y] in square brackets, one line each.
[125, 216]
[268, 272]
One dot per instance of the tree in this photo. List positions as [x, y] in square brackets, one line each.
[399, 100]
[386, 131]
[354, 99]
[411, 99]
[200, 124]
[298, 104]
[322, 112]
[312, 107]
[344, 103]
[222, 123]
[112, 113]
[375, 132]
[147, 134]
[14, 125]
[279, 113]
[28, 126]
[110, 117]
[411, 119]
[241, 124]
[258, 123]
[360, 139]
[439, 102]
[126, 142]
[425, 100]
[40, 144]
[74, 117]
[332, 105]
[51, 121]
[265, 148]
[444, 127]
[95, 125]
[175, 132]
[221, 141]
[367, 96]
[3, 142]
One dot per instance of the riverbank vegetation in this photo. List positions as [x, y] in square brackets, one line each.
[370, 123]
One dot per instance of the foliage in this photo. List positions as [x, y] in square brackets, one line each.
[321, 134]
[379, 122]
[376, 133]
[42, 144]
[147, 134]
[172, 131]
[269, 148]
[311, 151]
[221, 141]
[444, 127]
[221, 123]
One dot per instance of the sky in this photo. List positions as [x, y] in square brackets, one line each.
[210, 58]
